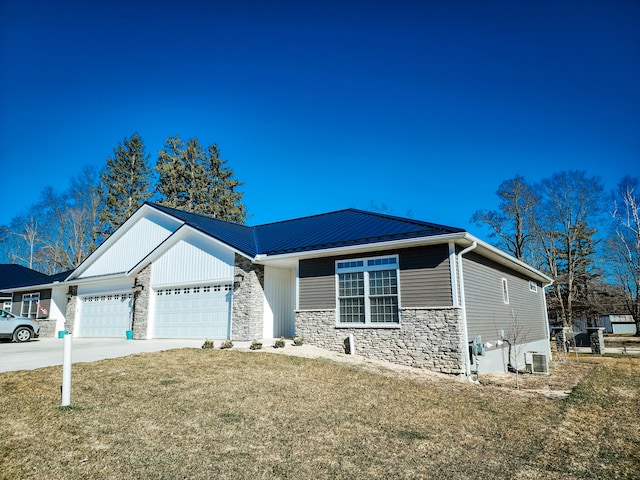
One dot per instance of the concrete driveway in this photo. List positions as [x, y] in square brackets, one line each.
[47, 352]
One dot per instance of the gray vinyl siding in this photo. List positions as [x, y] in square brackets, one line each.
[487, 313]
[317, 284]
[45, 301]
[425, 279]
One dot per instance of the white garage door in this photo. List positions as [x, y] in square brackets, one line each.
[193, 312]
[105, 315]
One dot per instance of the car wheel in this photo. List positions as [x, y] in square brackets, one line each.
[22, 334]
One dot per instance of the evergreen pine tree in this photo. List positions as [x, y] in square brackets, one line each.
[199, 182]
[126, 183]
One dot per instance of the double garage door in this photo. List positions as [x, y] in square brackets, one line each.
[202, 311]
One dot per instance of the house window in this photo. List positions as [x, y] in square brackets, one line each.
[533, 286]
[7, 306]
[505, 291]
[368, 291]
[30, 304]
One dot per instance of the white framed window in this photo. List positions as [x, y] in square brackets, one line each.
[505, 291]
[30, 305]
[367, 291]
[7, 306]
[533, 286]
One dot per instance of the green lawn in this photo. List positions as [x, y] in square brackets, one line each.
[231, 414]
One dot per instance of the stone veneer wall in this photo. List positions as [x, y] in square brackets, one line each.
[428, 338]
[70, 317]
[141, 303]
[47, 327]
[596, 339]
[248, 300]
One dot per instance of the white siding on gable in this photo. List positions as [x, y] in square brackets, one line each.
[111, 286]
[193, 260]
[135, 244]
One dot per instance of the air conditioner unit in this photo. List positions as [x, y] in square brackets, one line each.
[537, 362]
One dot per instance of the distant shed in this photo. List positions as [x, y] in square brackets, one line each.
[619, 324]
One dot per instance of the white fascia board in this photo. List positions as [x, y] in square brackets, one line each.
[120, 231]
[464, 239]
[505, 259]
[174, 238]
[40, 286]
[78, 281]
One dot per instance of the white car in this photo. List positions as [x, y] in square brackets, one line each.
[18, 329]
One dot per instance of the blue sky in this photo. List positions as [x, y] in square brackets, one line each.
[421, 107]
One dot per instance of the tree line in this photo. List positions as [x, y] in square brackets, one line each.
[61, 229]
[586, 239]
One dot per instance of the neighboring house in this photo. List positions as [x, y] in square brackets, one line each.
[12, 275]
[404, 290]
[618, 324]
[31, 296]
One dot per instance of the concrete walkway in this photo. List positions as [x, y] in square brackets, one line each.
[47, 352]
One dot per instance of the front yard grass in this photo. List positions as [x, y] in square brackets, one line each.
[231, 414]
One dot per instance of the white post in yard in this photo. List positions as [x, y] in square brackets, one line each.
[66, 371]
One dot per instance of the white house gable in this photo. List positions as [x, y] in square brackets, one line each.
[193, 259]
[129, 247]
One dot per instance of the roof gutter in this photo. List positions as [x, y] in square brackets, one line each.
[463, 303]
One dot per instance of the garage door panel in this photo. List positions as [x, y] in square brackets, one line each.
[105, 315]
[193, 312]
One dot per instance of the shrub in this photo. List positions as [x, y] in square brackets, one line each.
[279, 343]
[297, 341]
[255, 345]
[208, 344]
[226, 344]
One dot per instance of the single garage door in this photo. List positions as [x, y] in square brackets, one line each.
[105, 315]
[202, 311]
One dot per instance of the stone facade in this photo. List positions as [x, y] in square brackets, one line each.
[47, 328]
[70, 318]
[248, 300]
[140, 319]
[562, 335]
[596, 339]
[428, 338]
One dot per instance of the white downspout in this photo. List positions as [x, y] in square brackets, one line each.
[546, 315]
[463, 303]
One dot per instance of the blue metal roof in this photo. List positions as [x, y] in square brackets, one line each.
[240, 237]
[328, 230]
[340, 229]
[14, 276]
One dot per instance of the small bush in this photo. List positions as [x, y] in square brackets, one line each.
[297, 341]
[279, 343]
[208, 344]
[226, 344]
[255, 345]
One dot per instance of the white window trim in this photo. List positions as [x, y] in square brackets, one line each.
[33, 299]
[533, 286]
[505, 291]
[365, 268]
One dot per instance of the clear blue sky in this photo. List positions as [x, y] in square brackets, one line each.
[424, 107]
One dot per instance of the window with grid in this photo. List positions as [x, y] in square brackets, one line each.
[368, 291]
[30, 304]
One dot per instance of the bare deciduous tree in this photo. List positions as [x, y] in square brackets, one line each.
[623, 250]
[564, 227]
[511, 223]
